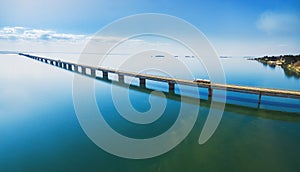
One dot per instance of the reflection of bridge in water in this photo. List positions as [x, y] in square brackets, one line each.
[82, 69]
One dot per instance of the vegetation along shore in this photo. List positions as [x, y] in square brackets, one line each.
[289, 63]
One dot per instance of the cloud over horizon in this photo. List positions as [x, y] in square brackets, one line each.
[22, 33]
[27, 39]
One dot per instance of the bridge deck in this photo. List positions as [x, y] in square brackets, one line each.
[210, 86]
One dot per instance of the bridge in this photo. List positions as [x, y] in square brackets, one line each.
[82, 68]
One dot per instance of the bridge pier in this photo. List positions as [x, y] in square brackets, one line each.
[259, 100]
[171, 87]
[105, 75]
[93, 72]
[51, 62]
[121, 78]
[210, 91]
[75, 68]
[83, 70]
[64, 65]
[69, 66]
[142, 82]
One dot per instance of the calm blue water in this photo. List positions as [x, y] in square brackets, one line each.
[40, 132]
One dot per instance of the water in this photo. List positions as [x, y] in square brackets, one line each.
[40, 132]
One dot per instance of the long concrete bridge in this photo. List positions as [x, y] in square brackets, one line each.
[81, 68]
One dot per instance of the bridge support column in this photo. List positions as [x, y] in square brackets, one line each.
[105, 75]
[51, 62]
[259, 100]
[83, 70]
[121, 78]
[70, 67]
[93, 72]
[210, 91]
[171, 87]
[142, 82]
[75, 68]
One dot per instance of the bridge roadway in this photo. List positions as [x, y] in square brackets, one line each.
[171, 81]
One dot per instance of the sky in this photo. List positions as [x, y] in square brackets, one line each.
[234, 28]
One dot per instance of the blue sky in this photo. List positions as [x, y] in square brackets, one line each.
[234, 27]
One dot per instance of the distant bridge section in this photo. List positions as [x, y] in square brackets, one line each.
[171, 81]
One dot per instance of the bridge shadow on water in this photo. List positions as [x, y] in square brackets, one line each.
[238, 109]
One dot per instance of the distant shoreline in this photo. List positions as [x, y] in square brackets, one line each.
[289, 63]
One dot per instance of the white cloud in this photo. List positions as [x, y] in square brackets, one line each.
[27, 34]
[272, 22]
[21, 33]
[23, 39]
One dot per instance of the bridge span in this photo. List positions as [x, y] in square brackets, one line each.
[82, 68]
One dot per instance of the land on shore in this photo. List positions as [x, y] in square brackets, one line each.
[289, 63]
